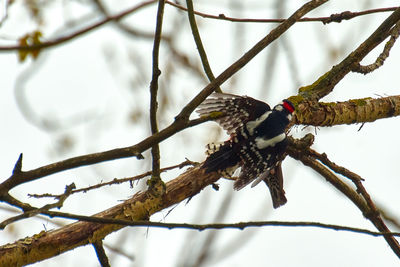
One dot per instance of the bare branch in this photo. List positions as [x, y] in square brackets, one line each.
[374, 214]
[142, 205]
[348, 112]
[33, 212]
[139, 207]
[18, 165]
[364, 202]
[137, 210]
[383, 56]
[199, 44]
[181, 120]
[345, 15]
[247, 57]
[16, 203]
[155, 149]
[117, 181]
[101, 254]
[105, 222]
[75, 34]
[27, 176]
[323, 158]
[132, 151]
[325, 84]
[124, 27]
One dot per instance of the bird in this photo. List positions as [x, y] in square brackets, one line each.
[257, 141]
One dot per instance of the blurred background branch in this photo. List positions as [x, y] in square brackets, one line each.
[80, 71]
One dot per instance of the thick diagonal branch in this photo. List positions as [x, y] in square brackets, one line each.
[325, 84]
[140, 207]
[181, 121]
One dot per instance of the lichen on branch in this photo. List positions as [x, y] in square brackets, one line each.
[347, 112]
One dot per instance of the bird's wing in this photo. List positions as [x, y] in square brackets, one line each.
[235, 110]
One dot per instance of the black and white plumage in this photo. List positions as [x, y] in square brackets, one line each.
[257, 140]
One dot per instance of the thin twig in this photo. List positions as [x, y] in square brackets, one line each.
[101, 253]
[7, 198]
[179, 56]
[133, 151]
[72, 36]
[363, 202]
[33, 212]
[205, 249]
[336, 168]
[181, 120]
[373, 213]
[125, 27]
[383, 56]
[247, 57]
[355, 178]
[155, 149]
[325, 84]
[333, 18]
[346, 15]
[199, 43]
[139, 207]
[202, 227]
[117, 181]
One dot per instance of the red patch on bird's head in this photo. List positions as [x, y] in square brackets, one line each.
[288, 105]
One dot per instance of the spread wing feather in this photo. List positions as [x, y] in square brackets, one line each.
[236, 110]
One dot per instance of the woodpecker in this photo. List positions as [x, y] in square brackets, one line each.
[257, 142]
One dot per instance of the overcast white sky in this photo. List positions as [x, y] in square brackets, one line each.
[86, 86]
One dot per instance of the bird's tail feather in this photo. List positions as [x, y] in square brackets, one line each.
[221, 157]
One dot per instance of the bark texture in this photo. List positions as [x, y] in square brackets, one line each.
[140, 207]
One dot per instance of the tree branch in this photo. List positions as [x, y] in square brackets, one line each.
[199, 44]
[363, 202]
[33, 211]
[101, 253]
[140, 207]
[348, 112]
[247, 57]
[155, 149]
[20, 177]
[75, 34]
[383, 56]
[325, 84]
[117, 181]
[124, 27]
[133, 212]
[346, 15]
[181, 121]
